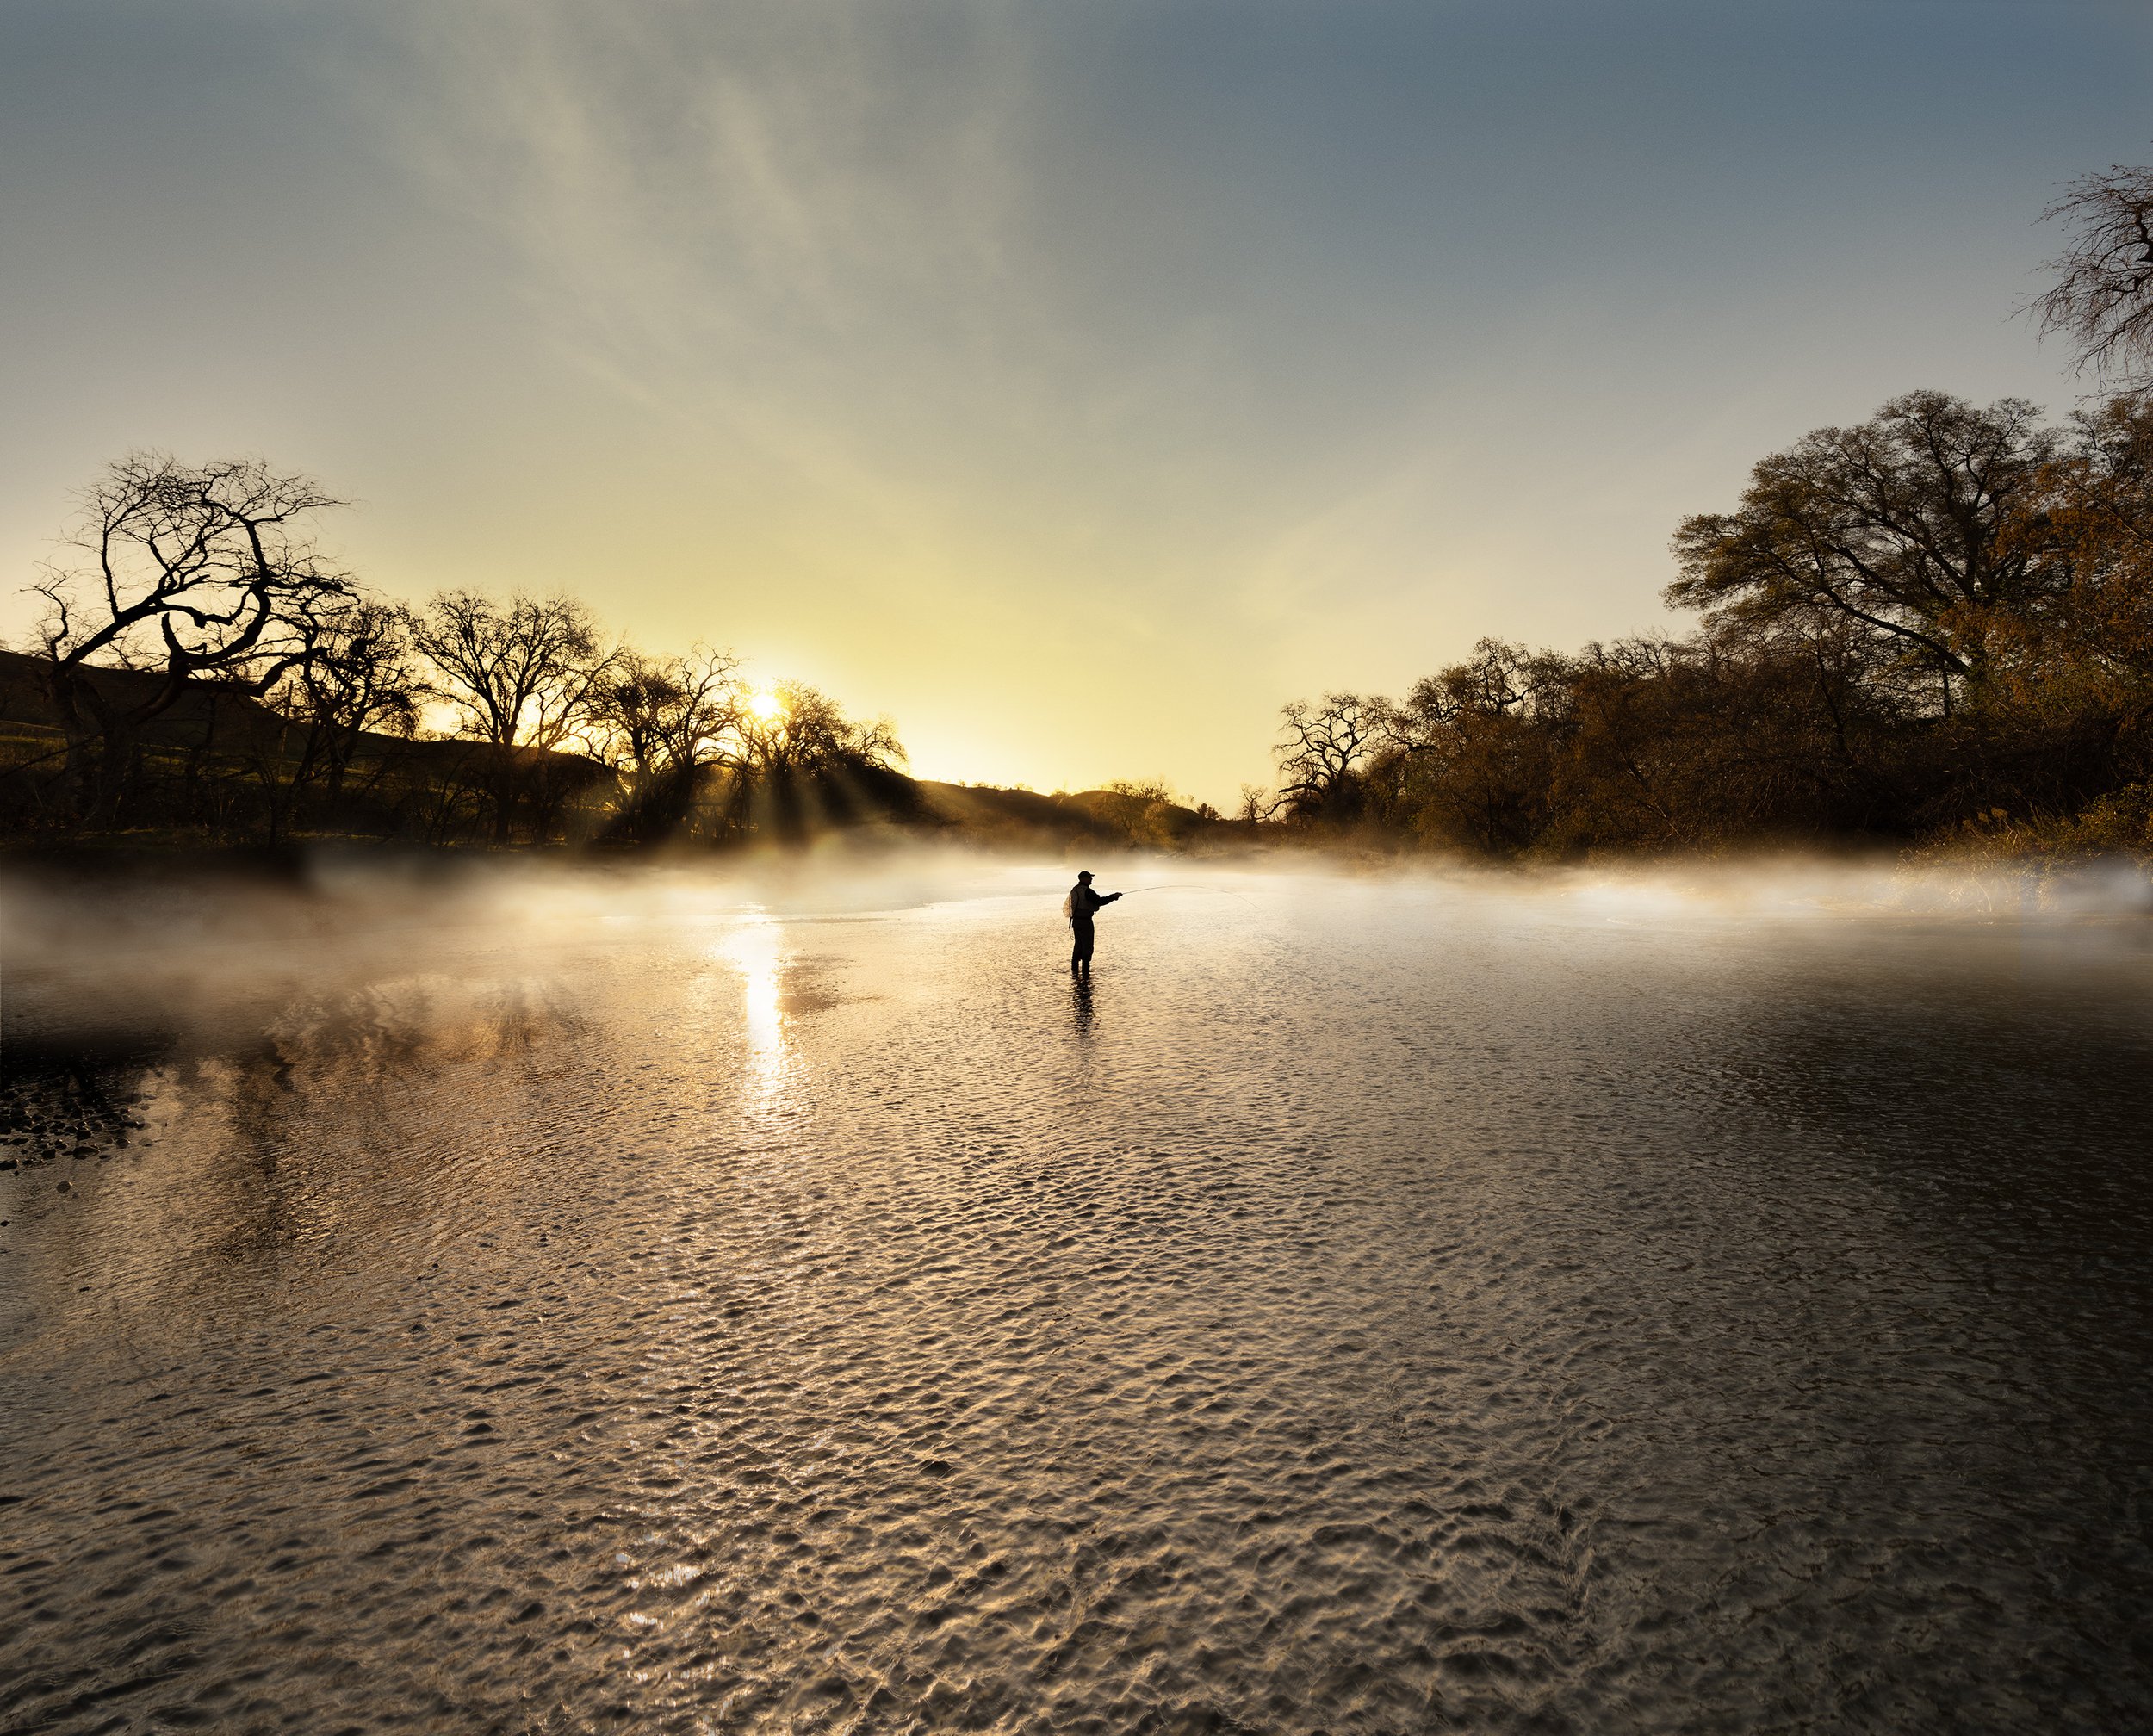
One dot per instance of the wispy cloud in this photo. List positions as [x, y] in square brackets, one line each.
[802, 220]
[999, 362]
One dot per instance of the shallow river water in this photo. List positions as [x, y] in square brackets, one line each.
[649, 1303]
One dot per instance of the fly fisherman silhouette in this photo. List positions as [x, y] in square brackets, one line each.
[1080, 907]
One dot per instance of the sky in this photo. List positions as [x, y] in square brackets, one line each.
[1073, 381]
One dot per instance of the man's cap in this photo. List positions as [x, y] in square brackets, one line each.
[1083, 873]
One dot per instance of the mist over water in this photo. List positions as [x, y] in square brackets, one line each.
[780, 1300]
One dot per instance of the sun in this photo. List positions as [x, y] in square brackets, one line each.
[764, 705]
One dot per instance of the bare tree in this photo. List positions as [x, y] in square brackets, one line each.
[1467, 752]
[2102, 298]
[1152, 792]
[1322, 750]
[364, 678]
[1498, 678]
[796, 747]
[663, 717]
[807, 731]
[661, 721]
[522, 679]
[186, 574]
[629, 709]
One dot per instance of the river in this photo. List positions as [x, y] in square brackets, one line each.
[665, 1301]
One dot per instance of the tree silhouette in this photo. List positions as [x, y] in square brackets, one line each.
[187, 573]
[2102, 298]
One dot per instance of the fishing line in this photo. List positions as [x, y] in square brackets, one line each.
[1216, 891]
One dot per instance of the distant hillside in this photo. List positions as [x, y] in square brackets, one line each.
[217, 765]
[1110, 817]
[206, 718]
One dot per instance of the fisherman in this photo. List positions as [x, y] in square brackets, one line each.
[1082, 904]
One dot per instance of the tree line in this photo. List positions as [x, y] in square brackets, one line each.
[1935, 623]
[201, 668]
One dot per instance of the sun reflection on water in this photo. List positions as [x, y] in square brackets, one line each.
[756, 949]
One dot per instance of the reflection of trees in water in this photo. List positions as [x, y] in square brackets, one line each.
[415, 1025]
[379, 1137]
[333, 1127]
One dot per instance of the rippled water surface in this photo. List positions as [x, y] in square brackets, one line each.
[656, 1304]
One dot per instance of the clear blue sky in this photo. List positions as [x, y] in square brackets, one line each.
[1072, 382]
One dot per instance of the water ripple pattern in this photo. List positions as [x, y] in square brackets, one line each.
[1372, 1306]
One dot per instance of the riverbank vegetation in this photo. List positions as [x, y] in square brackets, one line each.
[202, 673]
[1934, 625]
[204, 677]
